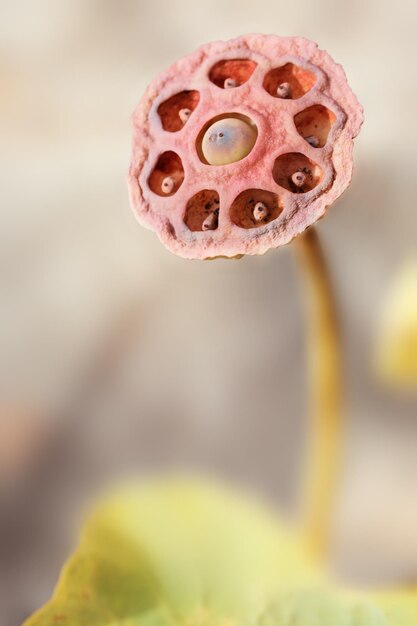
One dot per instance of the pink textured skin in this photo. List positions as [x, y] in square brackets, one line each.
[277, 135]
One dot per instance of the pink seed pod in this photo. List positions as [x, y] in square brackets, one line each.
[242, 144]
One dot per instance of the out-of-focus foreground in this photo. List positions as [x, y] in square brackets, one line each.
[118, 357]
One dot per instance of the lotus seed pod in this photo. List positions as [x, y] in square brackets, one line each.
[242, 146]
[228, 140]
[260, 211]
[184, 115]
[284, 90]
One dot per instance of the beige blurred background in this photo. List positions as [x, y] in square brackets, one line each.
[116, 356]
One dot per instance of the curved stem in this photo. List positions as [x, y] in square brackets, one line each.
[324, 364]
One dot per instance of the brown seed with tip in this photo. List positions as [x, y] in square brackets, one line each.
[260, 211]
[211, 221]
[184, 114]
[168, 185]
[229, 83]
[284, 90]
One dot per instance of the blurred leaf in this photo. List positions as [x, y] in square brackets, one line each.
[186, 553]
[396, 354]
[399, 607]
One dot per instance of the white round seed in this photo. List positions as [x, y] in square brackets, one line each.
[260, 211]
[229, 83]
[184, 114]
[298, 178]
[284, 90]
[210, 223]
[168, 184]
[313, 141]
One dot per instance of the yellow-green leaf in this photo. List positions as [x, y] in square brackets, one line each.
[184, 553]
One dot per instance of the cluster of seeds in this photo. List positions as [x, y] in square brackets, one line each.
[242, 145]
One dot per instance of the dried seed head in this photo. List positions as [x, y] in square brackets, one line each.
[168, 185]
[313, 141]
[229, 83]
[284, 90]
[207, 161]
[184, 114]
[211, 221]
[260, 211]
[298, 179]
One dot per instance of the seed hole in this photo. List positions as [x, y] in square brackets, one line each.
[167, 175]
[202, 211]
[226, 138]
[254, 208]
[314, 124]
[289, 81]
[175, 111]
[296, 172]
[232, 72]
